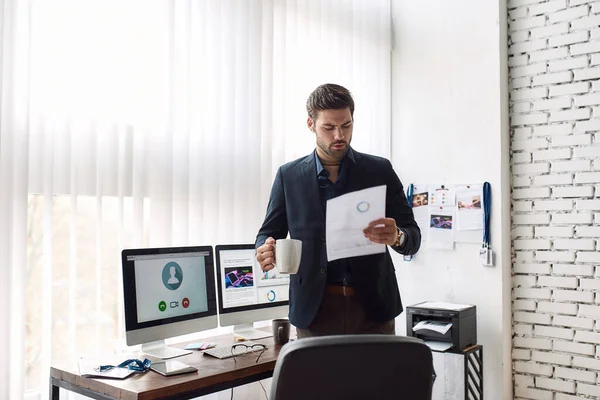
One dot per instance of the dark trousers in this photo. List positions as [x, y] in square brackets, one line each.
[340, 315]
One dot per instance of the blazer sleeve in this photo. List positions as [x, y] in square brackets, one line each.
[397, 207]
[275, 223]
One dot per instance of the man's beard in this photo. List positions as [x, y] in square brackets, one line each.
[335, 154]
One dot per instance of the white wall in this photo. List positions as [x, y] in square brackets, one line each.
[555, 117]
[449, 124]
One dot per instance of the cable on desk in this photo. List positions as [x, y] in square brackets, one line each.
[263, 388]
[261, 385]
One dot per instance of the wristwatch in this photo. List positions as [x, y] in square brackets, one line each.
[400, 240]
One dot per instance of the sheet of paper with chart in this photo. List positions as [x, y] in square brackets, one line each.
[347, 216]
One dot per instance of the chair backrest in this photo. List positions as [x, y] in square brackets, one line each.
[354, 367]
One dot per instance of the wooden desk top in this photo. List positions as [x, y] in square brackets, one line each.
[213, 375]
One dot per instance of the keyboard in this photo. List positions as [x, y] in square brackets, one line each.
[222, 352]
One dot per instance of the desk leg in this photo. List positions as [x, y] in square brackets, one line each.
[474, 373]
[54, 391]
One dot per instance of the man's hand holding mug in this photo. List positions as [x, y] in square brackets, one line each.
[283, 253]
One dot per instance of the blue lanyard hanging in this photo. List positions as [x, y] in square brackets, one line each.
[486, 255]
[487, 206]
[131, 364]
[409, 196]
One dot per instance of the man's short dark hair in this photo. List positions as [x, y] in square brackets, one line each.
[329, 97]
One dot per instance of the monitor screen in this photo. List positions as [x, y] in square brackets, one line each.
[247, 294]
[168, 292]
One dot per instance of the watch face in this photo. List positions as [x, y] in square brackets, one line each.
[399, 240]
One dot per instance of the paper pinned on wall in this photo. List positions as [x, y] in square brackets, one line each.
[441, 228]
[420, 206]
[442, 195]
[469, 199]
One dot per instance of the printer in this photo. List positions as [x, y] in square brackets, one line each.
[454, 326]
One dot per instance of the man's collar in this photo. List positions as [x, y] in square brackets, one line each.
[349, 156]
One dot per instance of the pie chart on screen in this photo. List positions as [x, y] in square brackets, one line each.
[271, 295]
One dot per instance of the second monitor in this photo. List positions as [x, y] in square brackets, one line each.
[246, 294]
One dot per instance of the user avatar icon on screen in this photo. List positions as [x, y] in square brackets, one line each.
[172, 275]
[172, 280]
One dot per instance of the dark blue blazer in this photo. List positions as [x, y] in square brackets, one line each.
[295, 207]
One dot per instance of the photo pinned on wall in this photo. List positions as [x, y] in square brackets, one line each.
[440, 221]
[469, 201]
[441, 227]
[420, 200]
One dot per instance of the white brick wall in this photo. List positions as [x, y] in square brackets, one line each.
[551, 358]
[554, 81]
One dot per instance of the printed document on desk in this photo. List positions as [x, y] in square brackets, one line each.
[347, 216]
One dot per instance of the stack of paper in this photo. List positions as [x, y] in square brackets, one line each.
[443, 306]
[437, 326]
[438, 346]
[200, 346]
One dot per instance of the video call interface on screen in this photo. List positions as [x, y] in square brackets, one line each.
[170, 285]
[243, 283]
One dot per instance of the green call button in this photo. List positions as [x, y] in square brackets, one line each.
[162, 306]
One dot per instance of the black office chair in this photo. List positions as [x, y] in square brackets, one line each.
[353, 367]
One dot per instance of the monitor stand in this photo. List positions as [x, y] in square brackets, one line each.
[160, 350]
[248, 332]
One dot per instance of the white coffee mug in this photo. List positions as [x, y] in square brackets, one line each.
[287, 255]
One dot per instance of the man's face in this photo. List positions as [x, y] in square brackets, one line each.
[333, 130]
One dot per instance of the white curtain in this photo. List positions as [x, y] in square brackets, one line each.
[135, 123]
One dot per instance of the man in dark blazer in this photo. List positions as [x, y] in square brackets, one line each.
[351, 295]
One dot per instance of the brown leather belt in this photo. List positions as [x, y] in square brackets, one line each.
[340, 290]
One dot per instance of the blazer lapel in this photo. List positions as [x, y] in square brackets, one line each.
[358, 177]
[309, 182]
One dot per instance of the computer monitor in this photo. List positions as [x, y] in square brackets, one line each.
[247, 294]
[168, 292]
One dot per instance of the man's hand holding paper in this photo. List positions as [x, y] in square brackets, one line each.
[356, 224]
[382, 230]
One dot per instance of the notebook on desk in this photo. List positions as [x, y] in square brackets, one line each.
[88, 369]
[223, 352]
